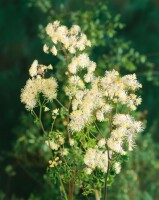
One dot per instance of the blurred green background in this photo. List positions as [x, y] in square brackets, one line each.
[128, 42]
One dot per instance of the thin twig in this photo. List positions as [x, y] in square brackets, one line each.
[98, 129]
[68, 119]
[63, 188]
[40, 120]
[60, 104]
[106, 179]
[52, 125]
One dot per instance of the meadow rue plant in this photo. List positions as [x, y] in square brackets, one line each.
[92, 130]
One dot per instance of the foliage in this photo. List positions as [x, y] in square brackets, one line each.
[139, 178]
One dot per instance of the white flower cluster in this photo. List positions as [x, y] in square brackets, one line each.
[72, 39]
[83, 62]
[121, 89]
[117, 167]
[101, 142]
[57, 144]
[34, 87]
[111, 88]
[55, 113]
[37, 85]
[95, 158]
[37, 70]
[85, 105]
[124, 133]
[75, 84]
[72, 142]
[55, 162]
[52, 145]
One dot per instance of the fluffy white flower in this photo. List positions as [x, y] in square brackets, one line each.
[125, 132]
[74, 80]
[88, 170]
[80, 94]
[64, 152]
[75, 29]
[46, 109]
[36, 86]
[75, 104]
[52, 163]
[29, 93]
[49, 87]
[102, 142]
[61, 140]
[72, 142]
[72, 50]
[88, 77]
[33, 68]
[115, 146]
[46, 48]
[71, 39]
[55, 112]
[77, 121]
[96, 158]
[72, 68]
[54, 50]
[100, 115]
[81, 62]
[131, 82]
[106, 108]
[91, 67]
[117, 167]
[52, 145]
[86, 106]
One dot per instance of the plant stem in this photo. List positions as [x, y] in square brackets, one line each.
[52, 125]
[40, 120]
[60, 103]
[68, 119]
[106, 179]
[71, 189]
[98, 129]
[63, 188]
[69, 104]
[97, 196]
[65, 54]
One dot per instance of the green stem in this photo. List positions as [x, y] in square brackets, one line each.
[60, 104]
[52, 125]
[106, 179]
[68, 119]
[40, 120]
[97, 196]
[63, 188]
[71, 190]
[34, 114]
[65, 54]
[98, 129]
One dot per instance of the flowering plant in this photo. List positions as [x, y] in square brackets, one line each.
[92, 128]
